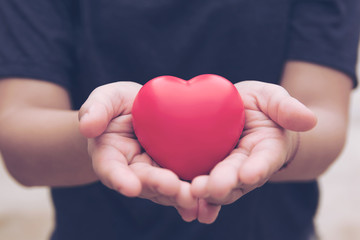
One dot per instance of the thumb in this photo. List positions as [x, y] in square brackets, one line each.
[293, 115]
[274, 101]
[105, 103]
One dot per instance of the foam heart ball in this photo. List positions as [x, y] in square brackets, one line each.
[188, 126]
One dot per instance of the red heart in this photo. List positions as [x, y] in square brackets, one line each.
[188, 126]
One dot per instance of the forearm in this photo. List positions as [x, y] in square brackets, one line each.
[44, 147]
[317, 149]
[327, 93]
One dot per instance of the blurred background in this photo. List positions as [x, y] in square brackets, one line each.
[26, 213]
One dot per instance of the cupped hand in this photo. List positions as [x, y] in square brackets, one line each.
[117, 157]
[269, 140]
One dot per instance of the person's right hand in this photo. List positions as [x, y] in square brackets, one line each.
[117, 157]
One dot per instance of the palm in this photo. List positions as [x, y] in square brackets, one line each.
[114, 149]
[262, 139]
[121, 148]
[265, 145]
[261, 151]
[118, 159]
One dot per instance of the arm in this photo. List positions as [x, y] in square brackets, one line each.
[273, 122]
[39, 138]
[41, 143]
[327, 93]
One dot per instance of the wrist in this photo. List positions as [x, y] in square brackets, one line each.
[294, 148]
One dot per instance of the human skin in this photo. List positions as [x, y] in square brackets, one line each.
[326, 93]
[44, 144]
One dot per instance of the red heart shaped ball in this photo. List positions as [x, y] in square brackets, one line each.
[188, 126]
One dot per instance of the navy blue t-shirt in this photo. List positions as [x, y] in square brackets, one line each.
[82, 44]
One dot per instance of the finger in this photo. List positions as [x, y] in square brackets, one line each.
[184, 198]
[153, 178]
[293, 115]
[265, 159]
[199, 186]
[200, 190]
[122, 125]
[275, 102]
[94, 119]
[187, 204]
[112, 169]
[105, 103]
[223, 178]
[207, 213]
[188, 215]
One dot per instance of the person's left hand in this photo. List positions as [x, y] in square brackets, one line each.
[269, 140]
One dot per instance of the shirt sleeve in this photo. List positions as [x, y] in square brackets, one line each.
[36, 40]
[326, 32]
